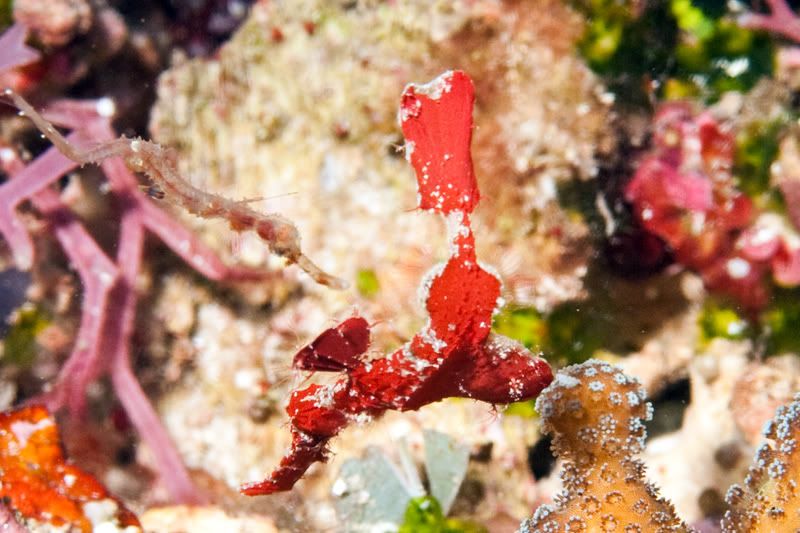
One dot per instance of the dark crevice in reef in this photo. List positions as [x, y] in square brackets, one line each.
[669, 406]
[541, 459]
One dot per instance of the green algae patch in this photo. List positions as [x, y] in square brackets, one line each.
[757, 147]
[575, 333]
[523, 324]
[6, 14]
[19, 345]
[526, 409]
[570, 333]
[718, 321]
[673, 49]
[714, 54]
[781, 322]
[424, 515]
[618, 42]
[367, 283]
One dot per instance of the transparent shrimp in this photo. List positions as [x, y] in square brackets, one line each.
[152, 160]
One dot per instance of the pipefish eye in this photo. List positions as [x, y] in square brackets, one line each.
[155, 192]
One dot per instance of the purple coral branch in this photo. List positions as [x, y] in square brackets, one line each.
[781, 20]
[101, 279]
[98, 275]
[13, 51]
[130, 393]
[102, 343]
[97, 272]
[30, 180]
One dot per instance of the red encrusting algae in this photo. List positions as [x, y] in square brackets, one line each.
[39, 485]
[685, 192]
[455, 354]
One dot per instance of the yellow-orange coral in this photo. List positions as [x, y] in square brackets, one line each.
[595, 414]
[770, 499]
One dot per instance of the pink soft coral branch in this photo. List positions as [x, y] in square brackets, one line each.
[118, 335]
[781, 20]
[102, 345]
[30, 180]
[13, 51]
[97, 272]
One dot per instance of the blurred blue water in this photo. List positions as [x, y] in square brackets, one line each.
[13, 284]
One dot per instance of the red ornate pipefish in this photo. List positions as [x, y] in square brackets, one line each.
[454, 354]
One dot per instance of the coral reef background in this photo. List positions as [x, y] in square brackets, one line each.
[638, 168]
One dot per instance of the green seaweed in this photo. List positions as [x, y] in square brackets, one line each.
[757, 147]
[526, 409]
[672, 49]
[719, 321]
[19, 345]
[575, 334]
[367, 283]
[780, 322]
[624, 47]
[523, 324]
[6, 14]
[566, 333]
[716, 56]
[424, 515]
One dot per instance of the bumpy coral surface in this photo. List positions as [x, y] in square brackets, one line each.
[770, 498]
[595, 414]
[314, 110]
[43, 489]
